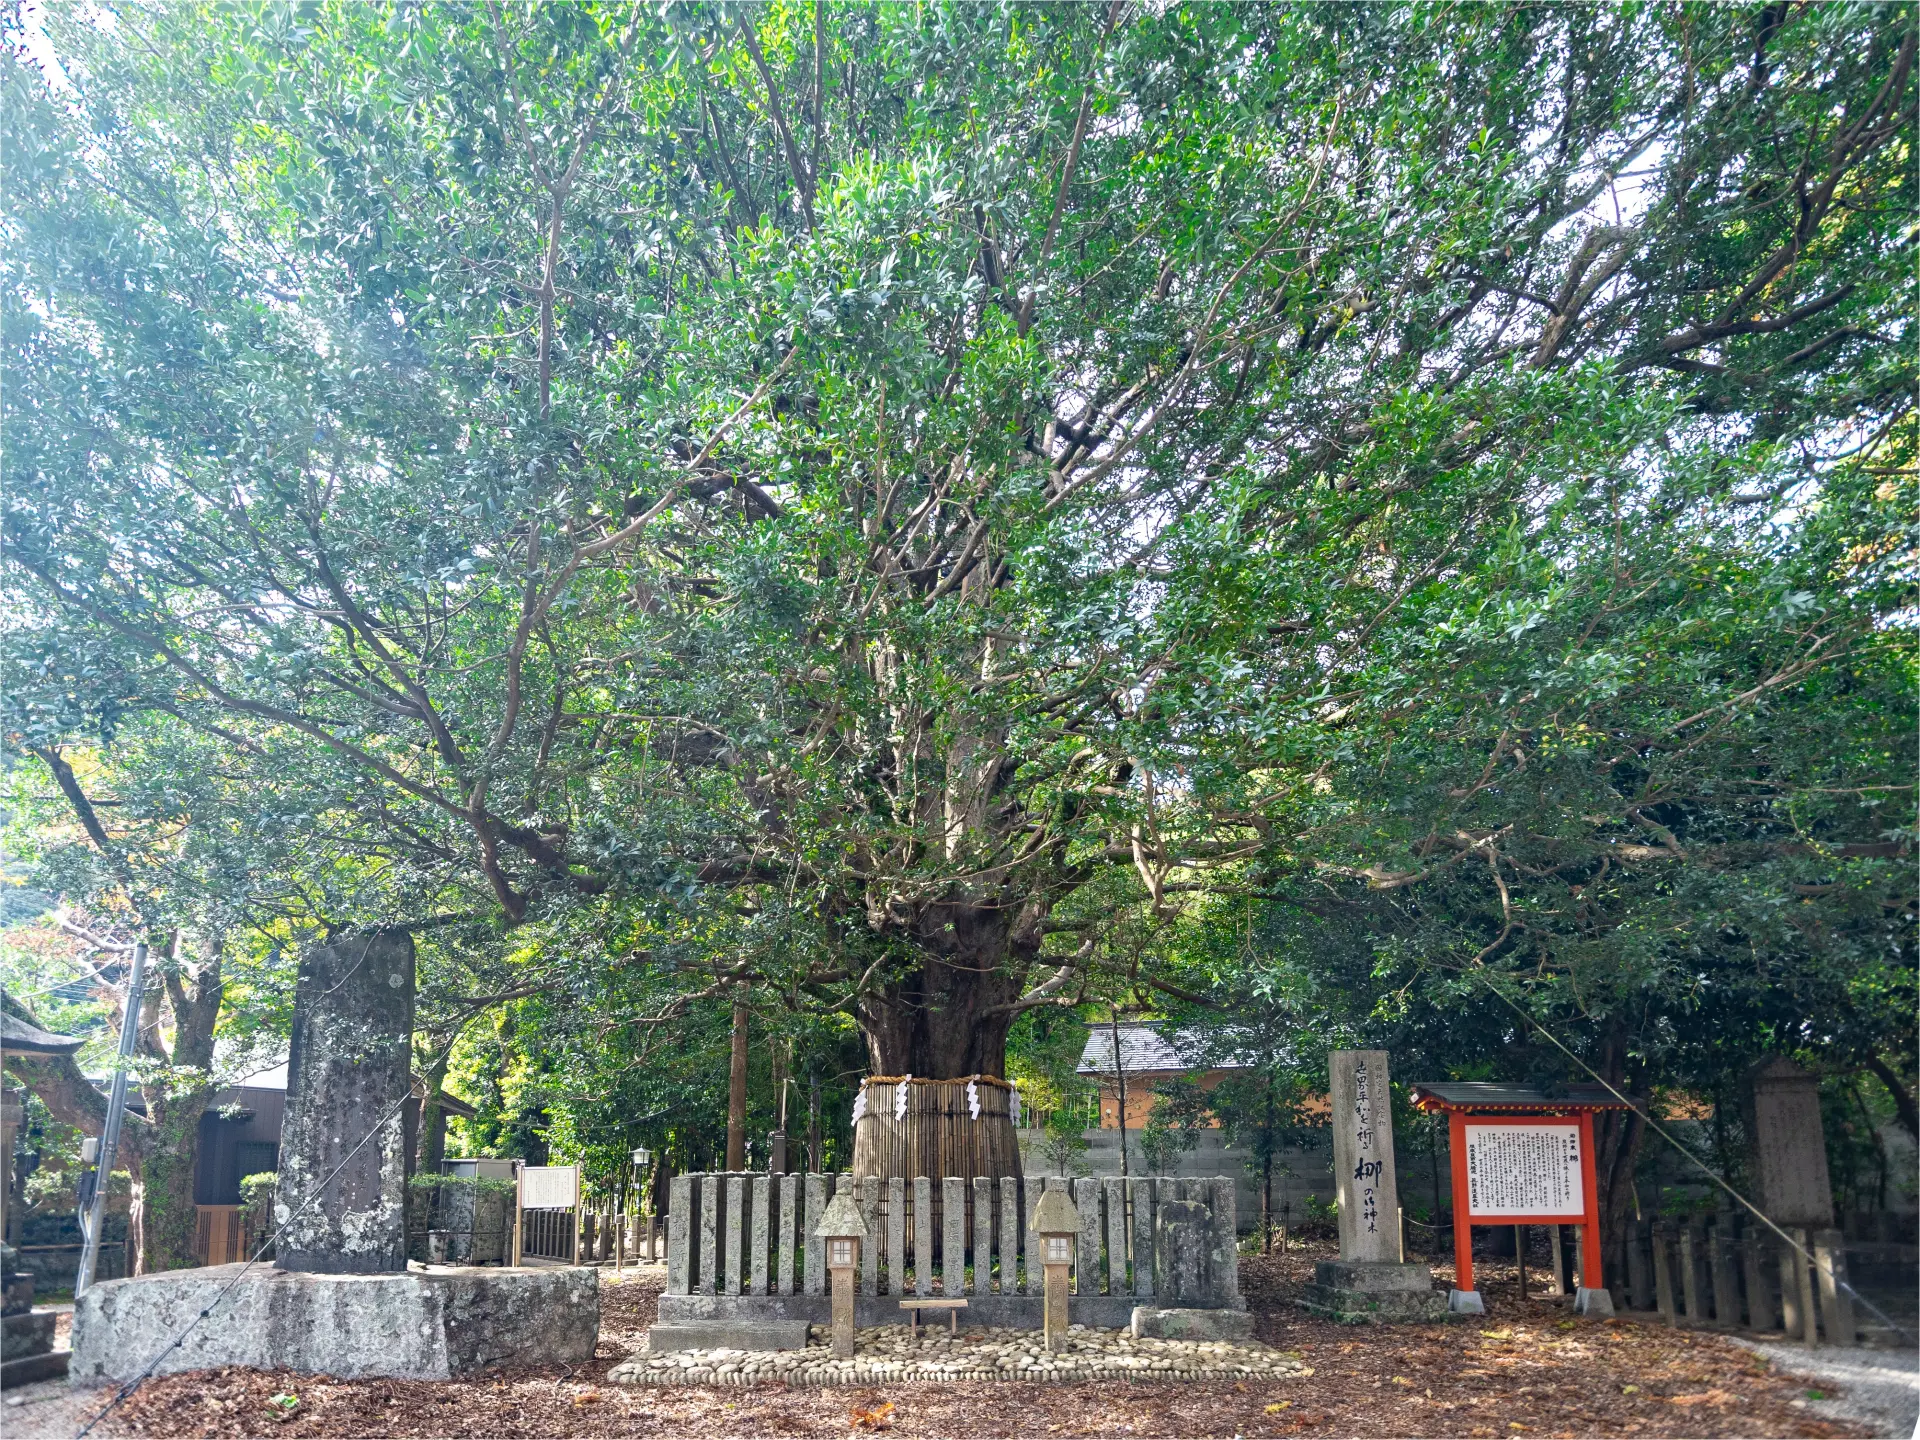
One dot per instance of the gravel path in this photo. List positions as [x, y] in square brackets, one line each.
[1878, 1388]
[886, 1353]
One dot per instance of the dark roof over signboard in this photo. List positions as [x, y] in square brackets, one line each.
[1146, 1049]
[24, 1039]
[1485, 1095]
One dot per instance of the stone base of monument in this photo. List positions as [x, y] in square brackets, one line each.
[1152, 1323]
[1014, 1312]
[729, 1335]
[1466, 1302]
[436, 1324]
[26, 1334]
[1592, 1302]
[1360, 1291]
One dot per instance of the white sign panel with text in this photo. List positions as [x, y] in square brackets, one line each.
[549, 1187]
[1523, 1170]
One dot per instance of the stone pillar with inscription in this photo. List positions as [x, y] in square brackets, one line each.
[1369, 1281]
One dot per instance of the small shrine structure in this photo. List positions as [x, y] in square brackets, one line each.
[1521, 1157]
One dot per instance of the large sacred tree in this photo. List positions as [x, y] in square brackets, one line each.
[846, 503]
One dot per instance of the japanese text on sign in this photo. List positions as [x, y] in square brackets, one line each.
[549, 1187]
[1523, 1170]
[1367, 1170]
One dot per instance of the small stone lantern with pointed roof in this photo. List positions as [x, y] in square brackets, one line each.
[843, 1230]
[1057, 1221]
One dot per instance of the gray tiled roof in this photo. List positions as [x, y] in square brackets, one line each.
[1515, 1097]
[1145, 1048]
[24, 1039]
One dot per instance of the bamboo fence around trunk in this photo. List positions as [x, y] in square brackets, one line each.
[934, 1131]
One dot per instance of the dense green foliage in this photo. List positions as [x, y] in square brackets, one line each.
[1384, 519]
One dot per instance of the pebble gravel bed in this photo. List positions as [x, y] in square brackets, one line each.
[887, 1354]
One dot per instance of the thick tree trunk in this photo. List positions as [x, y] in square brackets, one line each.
[950, 1018]
[163, 1211]
[161, 1150]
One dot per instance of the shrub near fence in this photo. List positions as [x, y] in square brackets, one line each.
[742, 1245]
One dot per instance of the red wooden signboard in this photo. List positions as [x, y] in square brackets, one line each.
[1521, 1158]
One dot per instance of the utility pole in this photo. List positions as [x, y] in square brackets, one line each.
[110, 1131]
[737, 1087]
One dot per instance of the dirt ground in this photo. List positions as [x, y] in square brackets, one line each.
[1527, 1369]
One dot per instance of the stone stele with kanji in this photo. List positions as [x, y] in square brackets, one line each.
[1371, 1280]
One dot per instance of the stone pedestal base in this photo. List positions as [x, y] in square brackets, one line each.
[1357, 1292]
[1592, 1302]
[411, 1325]
[729, 1335]
[1465, 1302]
[29, 1333]
[1152, 1323]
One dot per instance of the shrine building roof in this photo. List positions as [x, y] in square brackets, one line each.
[1494, 1097]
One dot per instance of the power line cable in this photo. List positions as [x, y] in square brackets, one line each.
[1805, 1255]
[134, 1384]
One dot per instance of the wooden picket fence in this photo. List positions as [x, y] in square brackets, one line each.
[752, 1234]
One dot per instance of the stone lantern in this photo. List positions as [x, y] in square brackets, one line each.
[842, 1230]
[1057, 1221]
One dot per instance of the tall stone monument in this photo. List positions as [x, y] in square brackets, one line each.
[342, 1195]
[341, 1299]
[1370, 1280]
[1782, 1104]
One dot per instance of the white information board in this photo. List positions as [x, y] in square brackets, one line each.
[548, 1187]
[1523, 1170]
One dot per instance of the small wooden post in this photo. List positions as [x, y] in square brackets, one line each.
[1639, 1267]
[579, 1216]
[1520, 1256]
[841, 1230]
[1663, 1271]
[1761, 1314]
[1836, 1301]
[1800, 1273]
[519, 1209]
[1558, 1285]
[1726, 1277]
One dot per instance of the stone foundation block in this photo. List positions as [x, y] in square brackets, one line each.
[729, 1335]
[1592, 1302]
[414, 1325]
[1356, 1292]
[1151, 1322]
[28, 1334]
[30, 1369]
